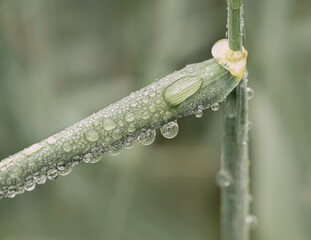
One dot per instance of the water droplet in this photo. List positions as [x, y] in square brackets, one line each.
[181, 89]
[29, 184]
[169, 130]
[129, 142]
[40, 178]
[76, 160]
[64, 168]
[250, 93]
[251, 221]
[199, 111]
[114, 151]
[145, 115]
[250, 125]
[92, 136]
[152, 108]
[67, 147]
[129, 117]
[96, 158]
[223, 178]
[87, 158]
[11, 191]
[109, 124]
[131, 128]
[147, 137]
[52, 174]
[117, 134]
[51, 140]
[215, 107]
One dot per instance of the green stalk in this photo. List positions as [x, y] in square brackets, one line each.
[182, 93]
[234, 174]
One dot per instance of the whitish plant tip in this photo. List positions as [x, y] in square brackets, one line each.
[233, 61]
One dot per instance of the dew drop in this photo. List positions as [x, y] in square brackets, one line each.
[51, 140]
[96, 158]
[129, 142]
[52, 174]
[115, 151]
[87, 158]
[109, 124]
[131, 128]
[117, 134]
[40, 178]
[76, 160]
[199, 111]
[129, 117]
[152, 108]
[64, 168]
[147, 137]
[67, 147]
[92, 136]
[29, 184]
[145, 115]
[215, 107]
[223, 178]
[250, 125]
[11, 191]
[169, 130]
[250, 93]
[251, 221]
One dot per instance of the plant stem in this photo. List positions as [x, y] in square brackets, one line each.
[234, 173]
[176, 95]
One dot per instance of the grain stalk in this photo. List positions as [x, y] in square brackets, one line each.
[233, 176]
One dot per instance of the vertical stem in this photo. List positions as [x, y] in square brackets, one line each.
[234, 160]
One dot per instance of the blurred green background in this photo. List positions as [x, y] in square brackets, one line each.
[62, 60]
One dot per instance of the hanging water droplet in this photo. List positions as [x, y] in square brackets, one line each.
[250, 93]
[76, 160]
[64, 168]
[109, 124]
[215, 107]
[29, 184]
[199, 111]
[129, 142]
[11, 191]
[92, 136]
[129, 117]
[251, 221]
[67, 147]
[169, 130]
[223, 178]
[87, 158]
[114, 151]
[52, 174]
[147, 137]
[1, 195]
[40, 178]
